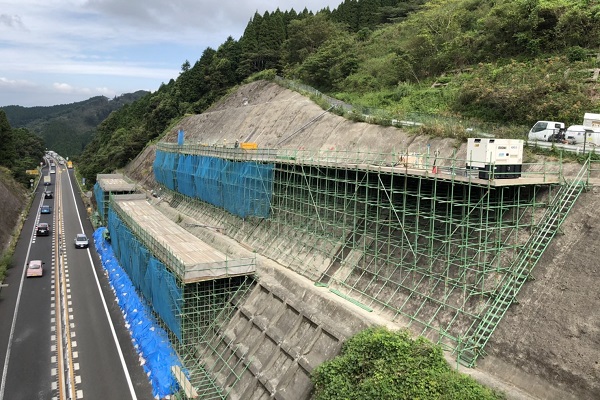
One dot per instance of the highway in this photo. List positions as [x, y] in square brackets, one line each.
[62, 335]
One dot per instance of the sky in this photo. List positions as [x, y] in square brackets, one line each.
[63, 51]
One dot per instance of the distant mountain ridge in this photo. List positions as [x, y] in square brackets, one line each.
[68, 128]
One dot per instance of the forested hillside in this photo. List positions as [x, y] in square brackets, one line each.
[67, 128]
[20, 150]
[507, 62]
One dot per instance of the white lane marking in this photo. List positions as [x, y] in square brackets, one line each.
[112, 327]
[14, 320]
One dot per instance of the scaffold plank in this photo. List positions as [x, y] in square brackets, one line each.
[190, 257]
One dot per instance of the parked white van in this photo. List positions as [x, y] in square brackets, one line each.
[547, 131]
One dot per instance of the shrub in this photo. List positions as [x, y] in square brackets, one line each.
[380, 364]
[5, 264]
[576, 53]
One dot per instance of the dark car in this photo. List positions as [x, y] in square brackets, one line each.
[48, 194]
[42, 229]
[45, 209]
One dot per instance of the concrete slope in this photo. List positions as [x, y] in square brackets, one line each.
[546, 347]
[275, 117]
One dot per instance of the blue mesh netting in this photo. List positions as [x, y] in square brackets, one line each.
[207, 180]
[165, 168]
[148, 274]
[185, 174]
[242, 188]
[99, 195]
[150, 340]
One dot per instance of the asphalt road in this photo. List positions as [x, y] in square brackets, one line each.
[103, 362]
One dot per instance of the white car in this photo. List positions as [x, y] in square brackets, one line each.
[81, 241]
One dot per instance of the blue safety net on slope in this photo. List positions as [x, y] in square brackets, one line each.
[242, 188]
[150, 340]
[185, 174]
[148, 274]
[99, 195]
[165, 168]
[208, 180]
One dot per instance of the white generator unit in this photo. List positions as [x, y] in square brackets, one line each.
[495, 158]
[591, 120]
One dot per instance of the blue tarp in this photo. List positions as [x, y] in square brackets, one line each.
[165, 168]
[99, 195]
[148, 274]
[150, 339]
[185, 174]
[243, 188]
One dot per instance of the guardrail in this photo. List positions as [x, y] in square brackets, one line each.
[571, 148]
[415, 161]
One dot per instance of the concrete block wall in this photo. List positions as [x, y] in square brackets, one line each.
[278, 336]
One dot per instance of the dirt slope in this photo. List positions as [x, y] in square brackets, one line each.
[552, 337]
[12, 199]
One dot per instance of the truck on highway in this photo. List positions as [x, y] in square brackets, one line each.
[47, 180]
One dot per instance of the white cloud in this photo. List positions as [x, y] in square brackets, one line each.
[13, 83]
[63, 87]
[125, 45]
[67, 88]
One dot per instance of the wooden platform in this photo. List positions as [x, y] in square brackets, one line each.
[193, 259]
[445, 173]
[184, 383]
[111, 183]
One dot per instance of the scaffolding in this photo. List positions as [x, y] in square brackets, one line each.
[192, 288]
[107, 185]
[416, 236]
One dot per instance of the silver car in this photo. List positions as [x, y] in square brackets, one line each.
[81, 241]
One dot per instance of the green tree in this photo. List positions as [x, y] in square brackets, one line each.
[306, 36]
[249, 42]
[222, 71]
[185, 67]
[7, 145]
[271, 35]
[331, 64]
[191, 85]
[29, 152]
